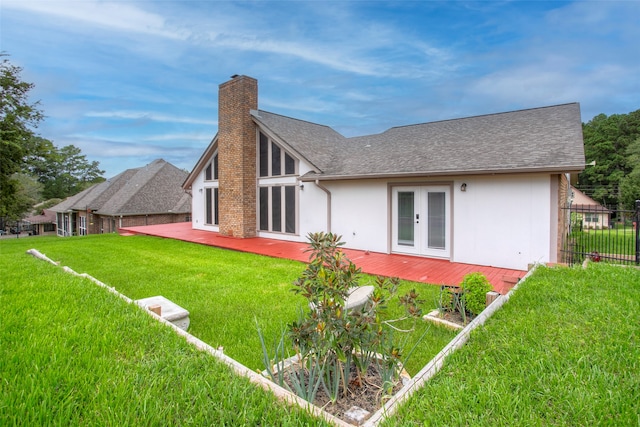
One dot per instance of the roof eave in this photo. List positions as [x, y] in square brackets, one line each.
[200, 164]
[520, 170]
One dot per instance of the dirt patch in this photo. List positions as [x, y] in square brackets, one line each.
[366, 393]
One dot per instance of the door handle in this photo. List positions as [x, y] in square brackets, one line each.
[417, 218]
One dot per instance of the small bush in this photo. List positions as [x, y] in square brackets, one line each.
[475, 287]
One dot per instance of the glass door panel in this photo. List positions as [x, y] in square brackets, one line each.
[406, 209]
[436, 220]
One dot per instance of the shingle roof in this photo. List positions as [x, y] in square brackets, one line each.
[582, 201]
[539, 139]
[151, 189]
[318, 144]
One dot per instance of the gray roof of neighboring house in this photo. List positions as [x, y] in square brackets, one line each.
[152, 189]
[582, 201]
[539, 139]
[46, 216]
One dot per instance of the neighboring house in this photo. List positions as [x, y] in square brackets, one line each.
[148, 195]
[42, 224]
[591, 213]
[482, 190]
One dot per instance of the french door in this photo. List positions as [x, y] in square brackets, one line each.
[420, 220]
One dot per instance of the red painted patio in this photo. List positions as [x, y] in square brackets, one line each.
[417, 269]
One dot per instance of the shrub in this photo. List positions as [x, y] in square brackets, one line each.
[475, 287]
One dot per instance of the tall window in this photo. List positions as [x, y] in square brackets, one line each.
[277, 206]
[211, 193]
[83, 226]
[211, 206]
[277, 200]
[274, 161]
[211, 171]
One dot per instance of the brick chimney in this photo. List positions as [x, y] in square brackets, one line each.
[237, 157]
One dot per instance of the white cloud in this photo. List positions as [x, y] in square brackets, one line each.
[157, 117]
[119, 16]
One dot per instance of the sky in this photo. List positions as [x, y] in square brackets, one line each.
[129, 82]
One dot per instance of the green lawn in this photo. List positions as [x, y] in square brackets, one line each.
[72, 353]
[616, 243]
[565, 349]
[224, 291]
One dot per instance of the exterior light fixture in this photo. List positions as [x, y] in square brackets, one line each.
[463, 187]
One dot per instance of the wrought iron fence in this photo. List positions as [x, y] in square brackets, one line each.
[601, 235]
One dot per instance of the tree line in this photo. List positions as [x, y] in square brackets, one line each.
[32, 168]
[612, 150]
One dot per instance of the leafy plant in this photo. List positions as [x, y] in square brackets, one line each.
[468, 299]
[474, 287]
[330, 341]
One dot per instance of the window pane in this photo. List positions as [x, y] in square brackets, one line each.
[275, 160]
[215, 166]
[276, 208]
[264, 208]
[405, 218]
[207, 173]
[215, 206]
[264, 155]
[207, 206]
[290, 209]
[289, 165]
[436, 220]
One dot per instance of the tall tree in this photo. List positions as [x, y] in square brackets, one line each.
[67, 171]
[606, 141]
[630, 184]
[18, 118]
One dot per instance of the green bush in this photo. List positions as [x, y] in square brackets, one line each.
[475, 287]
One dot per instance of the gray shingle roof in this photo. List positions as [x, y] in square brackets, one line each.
[318, 144]
[152, 189]
[539, 139]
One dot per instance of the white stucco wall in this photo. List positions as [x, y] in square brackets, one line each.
[360, 213]
[503, 221]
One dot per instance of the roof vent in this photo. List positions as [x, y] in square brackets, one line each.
[234, 76]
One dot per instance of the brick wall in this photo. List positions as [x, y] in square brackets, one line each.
[139, 220]
[237, 156]
[104, 223]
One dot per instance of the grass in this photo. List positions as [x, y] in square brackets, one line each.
[565, 350]
[616, 243]
[223, 290]
[73, 354]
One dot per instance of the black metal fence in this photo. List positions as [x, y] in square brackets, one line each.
[601, 235]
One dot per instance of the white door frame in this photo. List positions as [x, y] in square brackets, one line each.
[422, 208]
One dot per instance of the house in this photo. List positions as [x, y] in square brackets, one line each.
[484, 190]
[148, 195]
[41, 224]
[591, 214]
